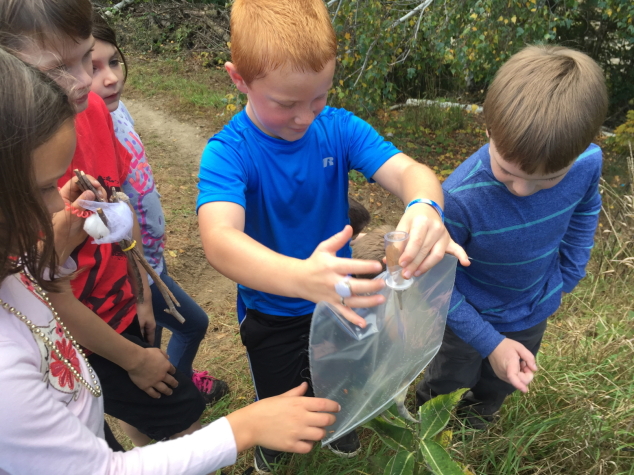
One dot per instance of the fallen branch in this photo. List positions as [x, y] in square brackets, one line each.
[443, 105]
[132, 252]
[118, 7]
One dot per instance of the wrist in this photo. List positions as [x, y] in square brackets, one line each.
[428, 202]
[134, 357]
[242, 429]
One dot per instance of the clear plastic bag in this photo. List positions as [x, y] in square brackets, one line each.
[364, 370]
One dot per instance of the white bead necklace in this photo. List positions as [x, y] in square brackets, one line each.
[95, 390]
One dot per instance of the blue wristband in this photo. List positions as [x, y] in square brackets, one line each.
[431, 203]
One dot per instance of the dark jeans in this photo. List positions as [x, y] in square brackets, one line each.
[458, 365]
[186, 337]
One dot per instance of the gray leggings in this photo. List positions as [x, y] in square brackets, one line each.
[458, 365]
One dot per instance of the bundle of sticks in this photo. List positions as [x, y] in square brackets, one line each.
[132, 252]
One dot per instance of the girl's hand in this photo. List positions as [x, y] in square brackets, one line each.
[152, 372]
[289, 422]
[68, 225]
[323, 269]
[146, 319]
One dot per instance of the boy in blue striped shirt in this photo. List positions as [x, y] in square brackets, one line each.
[525, 207]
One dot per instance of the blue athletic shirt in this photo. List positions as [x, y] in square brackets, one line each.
[295, 194]
[524, 250]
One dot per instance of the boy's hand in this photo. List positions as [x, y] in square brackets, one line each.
[513, 363]
[289, 422]
[152, 372]
[323, 269]
[428, 241]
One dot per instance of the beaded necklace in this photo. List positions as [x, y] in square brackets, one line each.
[94, 390]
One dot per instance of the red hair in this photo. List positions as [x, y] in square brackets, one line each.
[269, 34]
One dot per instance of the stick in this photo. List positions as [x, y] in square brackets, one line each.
[85, 184]
[168, 296]
[134, 255]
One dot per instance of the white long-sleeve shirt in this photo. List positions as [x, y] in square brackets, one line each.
[51, 424]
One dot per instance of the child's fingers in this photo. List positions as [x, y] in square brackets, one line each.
[434, 257]
[313, 433]
[365, 286]
[163, 388]
[457, 251]
[513, 379]
[153, 393]
[319, 420]
[297, 391]
[336, 242]
[322, 406]
[358, 302]
[169, 379]
[351, 316]
[86, 195]
[526, 356]
[357, 266]
[424, 233]
[301, 447]
[525, 377]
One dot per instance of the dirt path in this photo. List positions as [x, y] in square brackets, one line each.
[174, 148]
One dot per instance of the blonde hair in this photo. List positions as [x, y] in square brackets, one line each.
[269, 34]
[544, 107]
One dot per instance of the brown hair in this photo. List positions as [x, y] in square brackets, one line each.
[268, 34]
[544, 107]
[37, 108]
[358, 215]
[372, 247]
[102, 31]
[40, 20]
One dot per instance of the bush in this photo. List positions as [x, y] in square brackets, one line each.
[385, 55]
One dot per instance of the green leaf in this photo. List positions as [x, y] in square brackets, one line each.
[435, 413]
[393, 417]
[396, 438]
[401, 464]
[438, 460]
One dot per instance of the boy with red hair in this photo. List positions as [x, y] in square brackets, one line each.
[273, 208]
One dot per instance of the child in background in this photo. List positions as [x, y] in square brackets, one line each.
[56, 36]
[525, 207]
[108, 81]
[273, 208]
[359, 217]
[51, 419]
[371, 246]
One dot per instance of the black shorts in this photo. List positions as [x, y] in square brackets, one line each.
[277, 348]
[159, 418]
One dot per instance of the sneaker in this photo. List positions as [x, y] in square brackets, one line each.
[266, 459]
[211, 388]
[347, 446]
[474, 414]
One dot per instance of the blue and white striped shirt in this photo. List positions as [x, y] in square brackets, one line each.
[525, 251]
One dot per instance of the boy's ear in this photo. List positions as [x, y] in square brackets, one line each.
[236, 78]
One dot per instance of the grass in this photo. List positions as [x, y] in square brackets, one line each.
[174, 79]
[579, 415]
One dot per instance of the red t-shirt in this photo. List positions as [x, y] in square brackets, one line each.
[103, 285]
